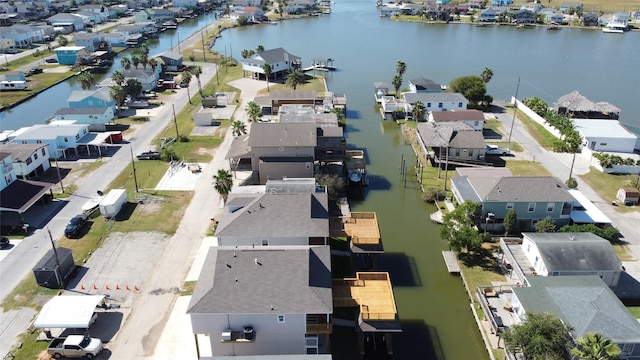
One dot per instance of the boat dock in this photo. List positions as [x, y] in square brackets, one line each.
[321, 64]
[451, 261]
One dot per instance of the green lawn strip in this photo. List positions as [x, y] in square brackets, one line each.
[187, 288]
[623, 252]
[537, 131]
[493, 124]
[480, 268]
[526, 168]
[607, 185]
[635, 311]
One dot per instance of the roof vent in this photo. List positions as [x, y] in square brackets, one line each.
[229, 266]
[257, 262]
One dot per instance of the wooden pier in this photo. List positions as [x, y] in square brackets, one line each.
[451, 261]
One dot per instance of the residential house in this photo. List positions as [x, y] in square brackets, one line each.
[69, 22]
[101, 10]
[90, 18]
[115, 38]
[473, 118]
[443, 101]
[96, 117]
[58, 138]
[568, 6]
[422, 85]
[99, 97]
[300, 6]
[532, 197]
[154, 15]
[6, 43]
[279, 59]
[451, 142]
[565, 254]
[554, 17]
[170, 60]
[14, 75]
[17, 195]
[576, 105]
[535, 7]
[488, 15]
[442, 2]
[22, 35]
[279, 98]
[28, 160]
[68, 55]
[184, 3]
[600, 135]
[148, 78]
[619, 20]
[264, 301]
[475, 4]
[381, 90]
[524, 16]
[90, 41]
[501, 2]
[245, 3]
[274, 219]
[590, 19]
[436, 12]
[585, 304]
[251, 13]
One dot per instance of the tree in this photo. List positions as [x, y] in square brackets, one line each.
[541, 336]
[254, 111]
[144, 60]
[267, 73]
[572, 183]
[133, 87]
[135, 60]
[396, 82]
[260, 48]
[294, 78]
[401, 68]
[536, 104]
[421, 12]
[242, 20]
[334, 183]
[458, 228]
[471, 87]
[62, 40]
[125, 62]
[239, 128]
[487, 74]
[185, 80]
[510, 222]
[153, 63]
[118, 94]
[196, 71]
[86, 80]
[118, 77]
[418, 111]
[223, 182]
[595, 347]
[340, 115]
[246, 53]
[545, 225]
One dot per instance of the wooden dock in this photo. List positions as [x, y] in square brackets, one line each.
[451, 261]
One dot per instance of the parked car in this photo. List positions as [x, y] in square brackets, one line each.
[4, 242]
[35, 71]
[75, 225]
[75, 346]
[496, 150]
[51, 60]
[148, 155]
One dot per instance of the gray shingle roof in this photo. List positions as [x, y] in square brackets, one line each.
[521, 188]
[19, 152]
[411, 98]
[441, 134]
[287, 134]
[467, 140]
[264, 280]
[273, 56]
[575, 251]
[275, 215]
[583, 302]
[458, 115]
[425, 84]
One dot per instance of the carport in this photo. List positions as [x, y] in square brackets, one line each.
[68, 312]
[95, 139]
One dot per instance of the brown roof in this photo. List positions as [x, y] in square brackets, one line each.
[279, 134]
[458, 115]
[21, 152]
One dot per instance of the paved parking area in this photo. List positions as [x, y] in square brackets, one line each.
[181, 178]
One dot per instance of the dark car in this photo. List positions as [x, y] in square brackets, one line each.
[4, 242]
[149, 155]
[75, 225]
[35, 71]
[51, 60]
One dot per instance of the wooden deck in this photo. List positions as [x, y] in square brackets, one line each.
[361, 227]
[452, 262]
[371, 291]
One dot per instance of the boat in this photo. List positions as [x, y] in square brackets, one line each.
[170, 25]
[613, 30]
[92, 204]
[355, 175]
[553, 26]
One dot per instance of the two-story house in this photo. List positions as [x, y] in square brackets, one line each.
[251, 13]
[99, 97]
[16, 195]
[96, 117]
[278, 59]
[29, 160]
[69, 22]
[89, 41]
[101, 11]
[171, 61]
[434, 101]
[451, 142]
[422, 85]
[534, 7]
[533, 198]
[524, 16]
[58, 138]
[68, 55]
[154, 15]
[473, 118]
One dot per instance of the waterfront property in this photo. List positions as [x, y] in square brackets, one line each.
[98, 97]
[451, 143]
[28, 160]
[605, 135]
[381, 91]
[68, 55]
[576, 105]
[473, 118]
[363, 234]
[96, 117]
[280, 61]
[441, 101]
[171, 61]
[59, 138]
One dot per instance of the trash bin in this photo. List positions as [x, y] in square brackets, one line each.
[248, 332]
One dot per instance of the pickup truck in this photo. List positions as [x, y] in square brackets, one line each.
[495, 150]
[75, 346]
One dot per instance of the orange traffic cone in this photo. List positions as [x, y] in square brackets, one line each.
[127, 287]
[95, 287]
[107, 287]
[136, 287]
[82, 287]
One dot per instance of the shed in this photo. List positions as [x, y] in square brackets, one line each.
[210, 101]
[53, 270]
[203, 118]
[628, 196]
[69, 312]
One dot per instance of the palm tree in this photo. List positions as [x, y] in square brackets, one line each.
[118, 77]
[185, 80]
[246, 53]
[397, 82]
[62, 40]
[254, 111]
[133, 87]
[267, 73]
[401, 68]
[223, 182]
[421, 12]
[239, 128]
[418, 111]
[86, 80]
[486, 75]
[294, 78]
[125, 62]
[135, 60]
[153, 63]
[196, 71]
[118, 94]
[144, 50]
[595, 347]
[260, 48]
[144, 60]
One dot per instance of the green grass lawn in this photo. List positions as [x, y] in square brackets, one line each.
[607, 185]
[526, 168]
[542, 135]
[35, 83]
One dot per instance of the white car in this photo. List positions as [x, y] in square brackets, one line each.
[495, 150]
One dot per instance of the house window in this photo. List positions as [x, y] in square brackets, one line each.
[550, 207]
[23, 141]
[78, 137]
[265, 242]
[627, 349]
[43, 151]
[39, 142]
[439, 105]
[29, 161]
[66, 139]
[35, 156]
[471, 152]
[90, 102]
[509, 206]
[280, 319]
[456, 152]
[476, 123]
[603, 144]
[281, 148]
[428, 104]
[459, 104]
[532, 207]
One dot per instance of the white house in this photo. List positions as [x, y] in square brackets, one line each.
[28, 159]
[59, 138]
[279, 59]
[473, 118]
[8, 172]
[605, 135]
[100, 10]
[95, 117]
[436, 101]
[69, 22]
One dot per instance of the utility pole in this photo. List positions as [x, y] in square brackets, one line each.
[204, 52]
[515, 109]
[133, 164]
[55, 253]
[58, 169]
[572, 162]
[175, 121]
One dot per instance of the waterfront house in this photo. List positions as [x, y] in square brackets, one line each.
[115, 38]
[451, 142]
[264, 301]
[96, 117]
[22, 35]
[90, 41]
[501, 2]
[619, 20]
[600, 135]
[300, 6]
[473, 118]
[171, 61]
[590, 19]
[487, 15]
[576, 105]
[157, 16]
[279, 59]
[68, 55]
[90, 18]
[139, 28]
[381, 89]
[532, 197]
[568, 6]
[585, 304]
[534, 7]
[184, 3]
[251, 13]
[17, 195]
[245, 3]
[99, 97]
[69, 22]
[148, 78]
[59, 138]
[274, 219]
[279, 98]
[564, 254]
[523, 16]
[628, 196]
[554, 17]
[422, 85]
[29, 160]
[442, 101]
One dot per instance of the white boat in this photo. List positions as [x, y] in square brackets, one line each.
[91, 205]
[612, 30]
[355, 175]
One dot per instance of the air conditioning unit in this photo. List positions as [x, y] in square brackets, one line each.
[226, 335]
